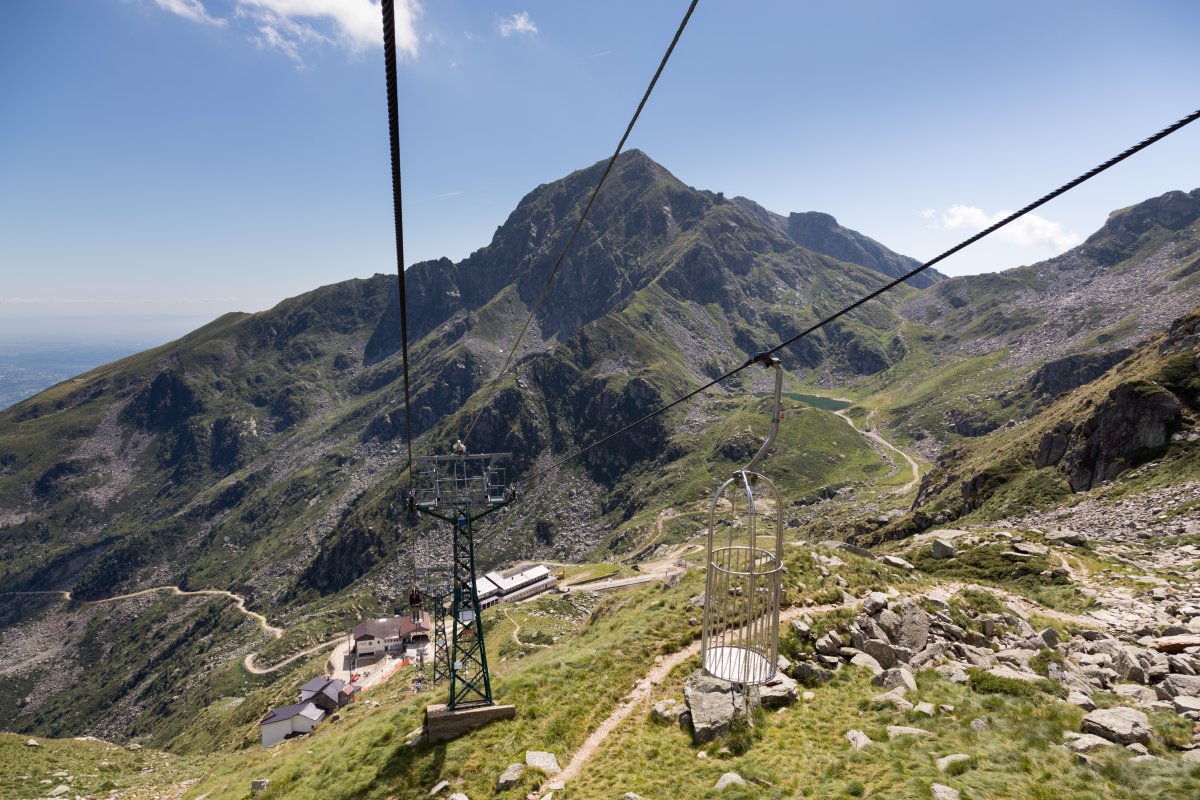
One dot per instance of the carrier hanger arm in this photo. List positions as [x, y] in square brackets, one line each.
[770, 362]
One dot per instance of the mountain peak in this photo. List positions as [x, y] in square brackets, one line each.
[821, 233]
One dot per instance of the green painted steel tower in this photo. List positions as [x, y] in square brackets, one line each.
[459, 489]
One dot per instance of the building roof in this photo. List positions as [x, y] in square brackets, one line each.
[330, 687]
[390, 627]
[485, 588]
[510, 581]
[305, 709]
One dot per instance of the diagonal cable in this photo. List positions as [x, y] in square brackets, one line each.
[1066, 187]
[512, 351]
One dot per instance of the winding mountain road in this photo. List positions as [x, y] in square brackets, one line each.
[239, 602]
[874, 436]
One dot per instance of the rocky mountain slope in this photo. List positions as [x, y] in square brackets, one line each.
[264, 454]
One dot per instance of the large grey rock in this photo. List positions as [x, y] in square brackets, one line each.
[864, 661]
[895, 678]
[1084, 701]
[857, 739]
[810, 672]
[729, 779]
[940, 549]
[713, 705]
[829, 644]
[1175, 685]
[259, 785]
[1049, 636]
[668, 711]
[882, 652]
[546, 762]
[1064, 536]
[898, 563]
[889, 623]
[1183, 704]
[1119, 724]
[896, 731]
[1176, 644]
[893, 698]
[874, 602]
[947, 762]
[780, 691]
[914, 627]
[1085, 742]
[509, 778]
[940, 791]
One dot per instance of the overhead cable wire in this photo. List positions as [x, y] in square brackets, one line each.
[389, 60]
[512, 351]
[764, 356]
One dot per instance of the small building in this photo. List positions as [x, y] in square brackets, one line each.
[514, 585]
[389, 635]
[289, 721]
[489, 593]
[328, 693]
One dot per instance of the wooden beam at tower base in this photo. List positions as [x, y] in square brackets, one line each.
[442, 724]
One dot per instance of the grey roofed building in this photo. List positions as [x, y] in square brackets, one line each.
[304, 709]
[328, 693]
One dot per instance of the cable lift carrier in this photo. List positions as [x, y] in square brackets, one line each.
[740, 639]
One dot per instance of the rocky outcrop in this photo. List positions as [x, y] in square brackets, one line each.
[1064, 374]
[1120, 724]
[1132, 424]
[713, 705]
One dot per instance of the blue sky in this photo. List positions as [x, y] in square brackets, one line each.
[174, 159]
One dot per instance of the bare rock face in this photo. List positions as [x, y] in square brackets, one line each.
[1120, 724]
[713, 705]
[1136, 417]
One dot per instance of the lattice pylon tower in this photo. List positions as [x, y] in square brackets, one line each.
[740, 638]
[460, 489]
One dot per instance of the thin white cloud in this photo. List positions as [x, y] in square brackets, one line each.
[600, 54]
[928, 213]
[1029, 231]
[292, 27]
[518, 23]
[448, 194]
[190, 9]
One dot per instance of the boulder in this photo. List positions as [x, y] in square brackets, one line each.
[780, 691]
[1120, 724]
[925, 709]
[914, 627]
[889, 624]
[874, 602]
[1177, 643]
[1085, 742]
[1176, 685]
[942, 792]
[809, 673]
[864, 661]
[546, 762]
[895, 678]
[896, 731]
[898, 563]
[941, 549]
[1065, 536]
[729, 779]
[1078, 698]
[32, 743]
[857, 739]
[510, 776]
[947, 762]
[438, 788]
[829, 644]
[712, 704]
[980, 724]
[1183, 704]
[893, 698]
[882, 652]
[458, 796]
[1049, 636]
